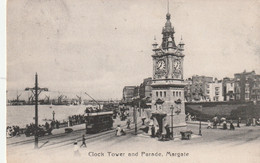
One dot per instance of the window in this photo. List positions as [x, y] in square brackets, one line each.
[164, 94]
[161, 94]
[179, 93]
[156, 94]
[173, 93]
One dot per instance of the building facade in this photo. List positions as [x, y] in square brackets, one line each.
[145, 88]
[128, 93]
[168, 84]
[244, 83]
[199, 88]
[255, 96]
[214, 91]
[228, 89]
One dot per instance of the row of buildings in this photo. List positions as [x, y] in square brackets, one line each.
[244, 86]
[143, 92]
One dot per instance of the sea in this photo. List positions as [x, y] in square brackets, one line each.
[21, 115]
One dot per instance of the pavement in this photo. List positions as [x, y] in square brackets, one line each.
[60, 131]
[215, 145]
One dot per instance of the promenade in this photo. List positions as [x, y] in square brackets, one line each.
[220, 145]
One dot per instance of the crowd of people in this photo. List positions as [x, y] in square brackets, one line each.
[122, 113]
[12, 131]
[190, 117]
[76, 119]
[92, 110]
[29, 129]
[153, 130]
[253, 122]
[224, 123]
[44, 128]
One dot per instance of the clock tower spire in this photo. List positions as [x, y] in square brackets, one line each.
[167, 31]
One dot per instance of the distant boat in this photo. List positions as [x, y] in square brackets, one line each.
[45, 119]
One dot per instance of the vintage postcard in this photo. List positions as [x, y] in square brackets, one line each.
[132, 81]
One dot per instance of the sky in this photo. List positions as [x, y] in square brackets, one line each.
[100, 46]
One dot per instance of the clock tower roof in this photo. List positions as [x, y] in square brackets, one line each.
[168, 31]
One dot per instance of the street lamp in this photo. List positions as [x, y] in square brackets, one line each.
[172, 120]
[36, 92]
[134, 105]
[53, 115]
[200, 122]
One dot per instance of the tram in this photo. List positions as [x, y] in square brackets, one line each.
[98, 122]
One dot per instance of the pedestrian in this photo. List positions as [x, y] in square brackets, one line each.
[52, 124]
[248, 123]
[215, 122]
[209, 124]
[189, 117]
[253, 122]
[128, 123]
[83, 141]
[153, 131]
[238, 122]
[168, 132]
[57, 124]
[143, 118]
[76, 149]
[47, 126]
[18, 130]
[258, 122]
[232, 126]
[118, 130]
[224, 125]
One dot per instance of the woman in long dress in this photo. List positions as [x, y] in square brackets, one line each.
[118, 131]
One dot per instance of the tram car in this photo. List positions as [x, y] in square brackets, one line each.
[98, 122]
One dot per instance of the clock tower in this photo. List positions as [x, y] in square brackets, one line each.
[168, 84]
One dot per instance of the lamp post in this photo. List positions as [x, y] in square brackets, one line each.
[36, 92]
[53, 115]
[172, 120]
[200, 122]
[139, 105]
[134, 104]
[135, 120]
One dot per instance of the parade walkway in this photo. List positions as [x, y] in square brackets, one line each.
[57, 132]
[220, 145]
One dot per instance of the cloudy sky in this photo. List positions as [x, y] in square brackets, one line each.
[100, 46]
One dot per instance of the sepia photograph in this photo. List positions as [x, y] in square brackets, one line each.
[132, 81]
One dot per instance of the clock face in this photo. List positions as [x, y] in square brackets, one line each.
[160, 71]
[160, 65]
[177, 69]
[177, 65]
